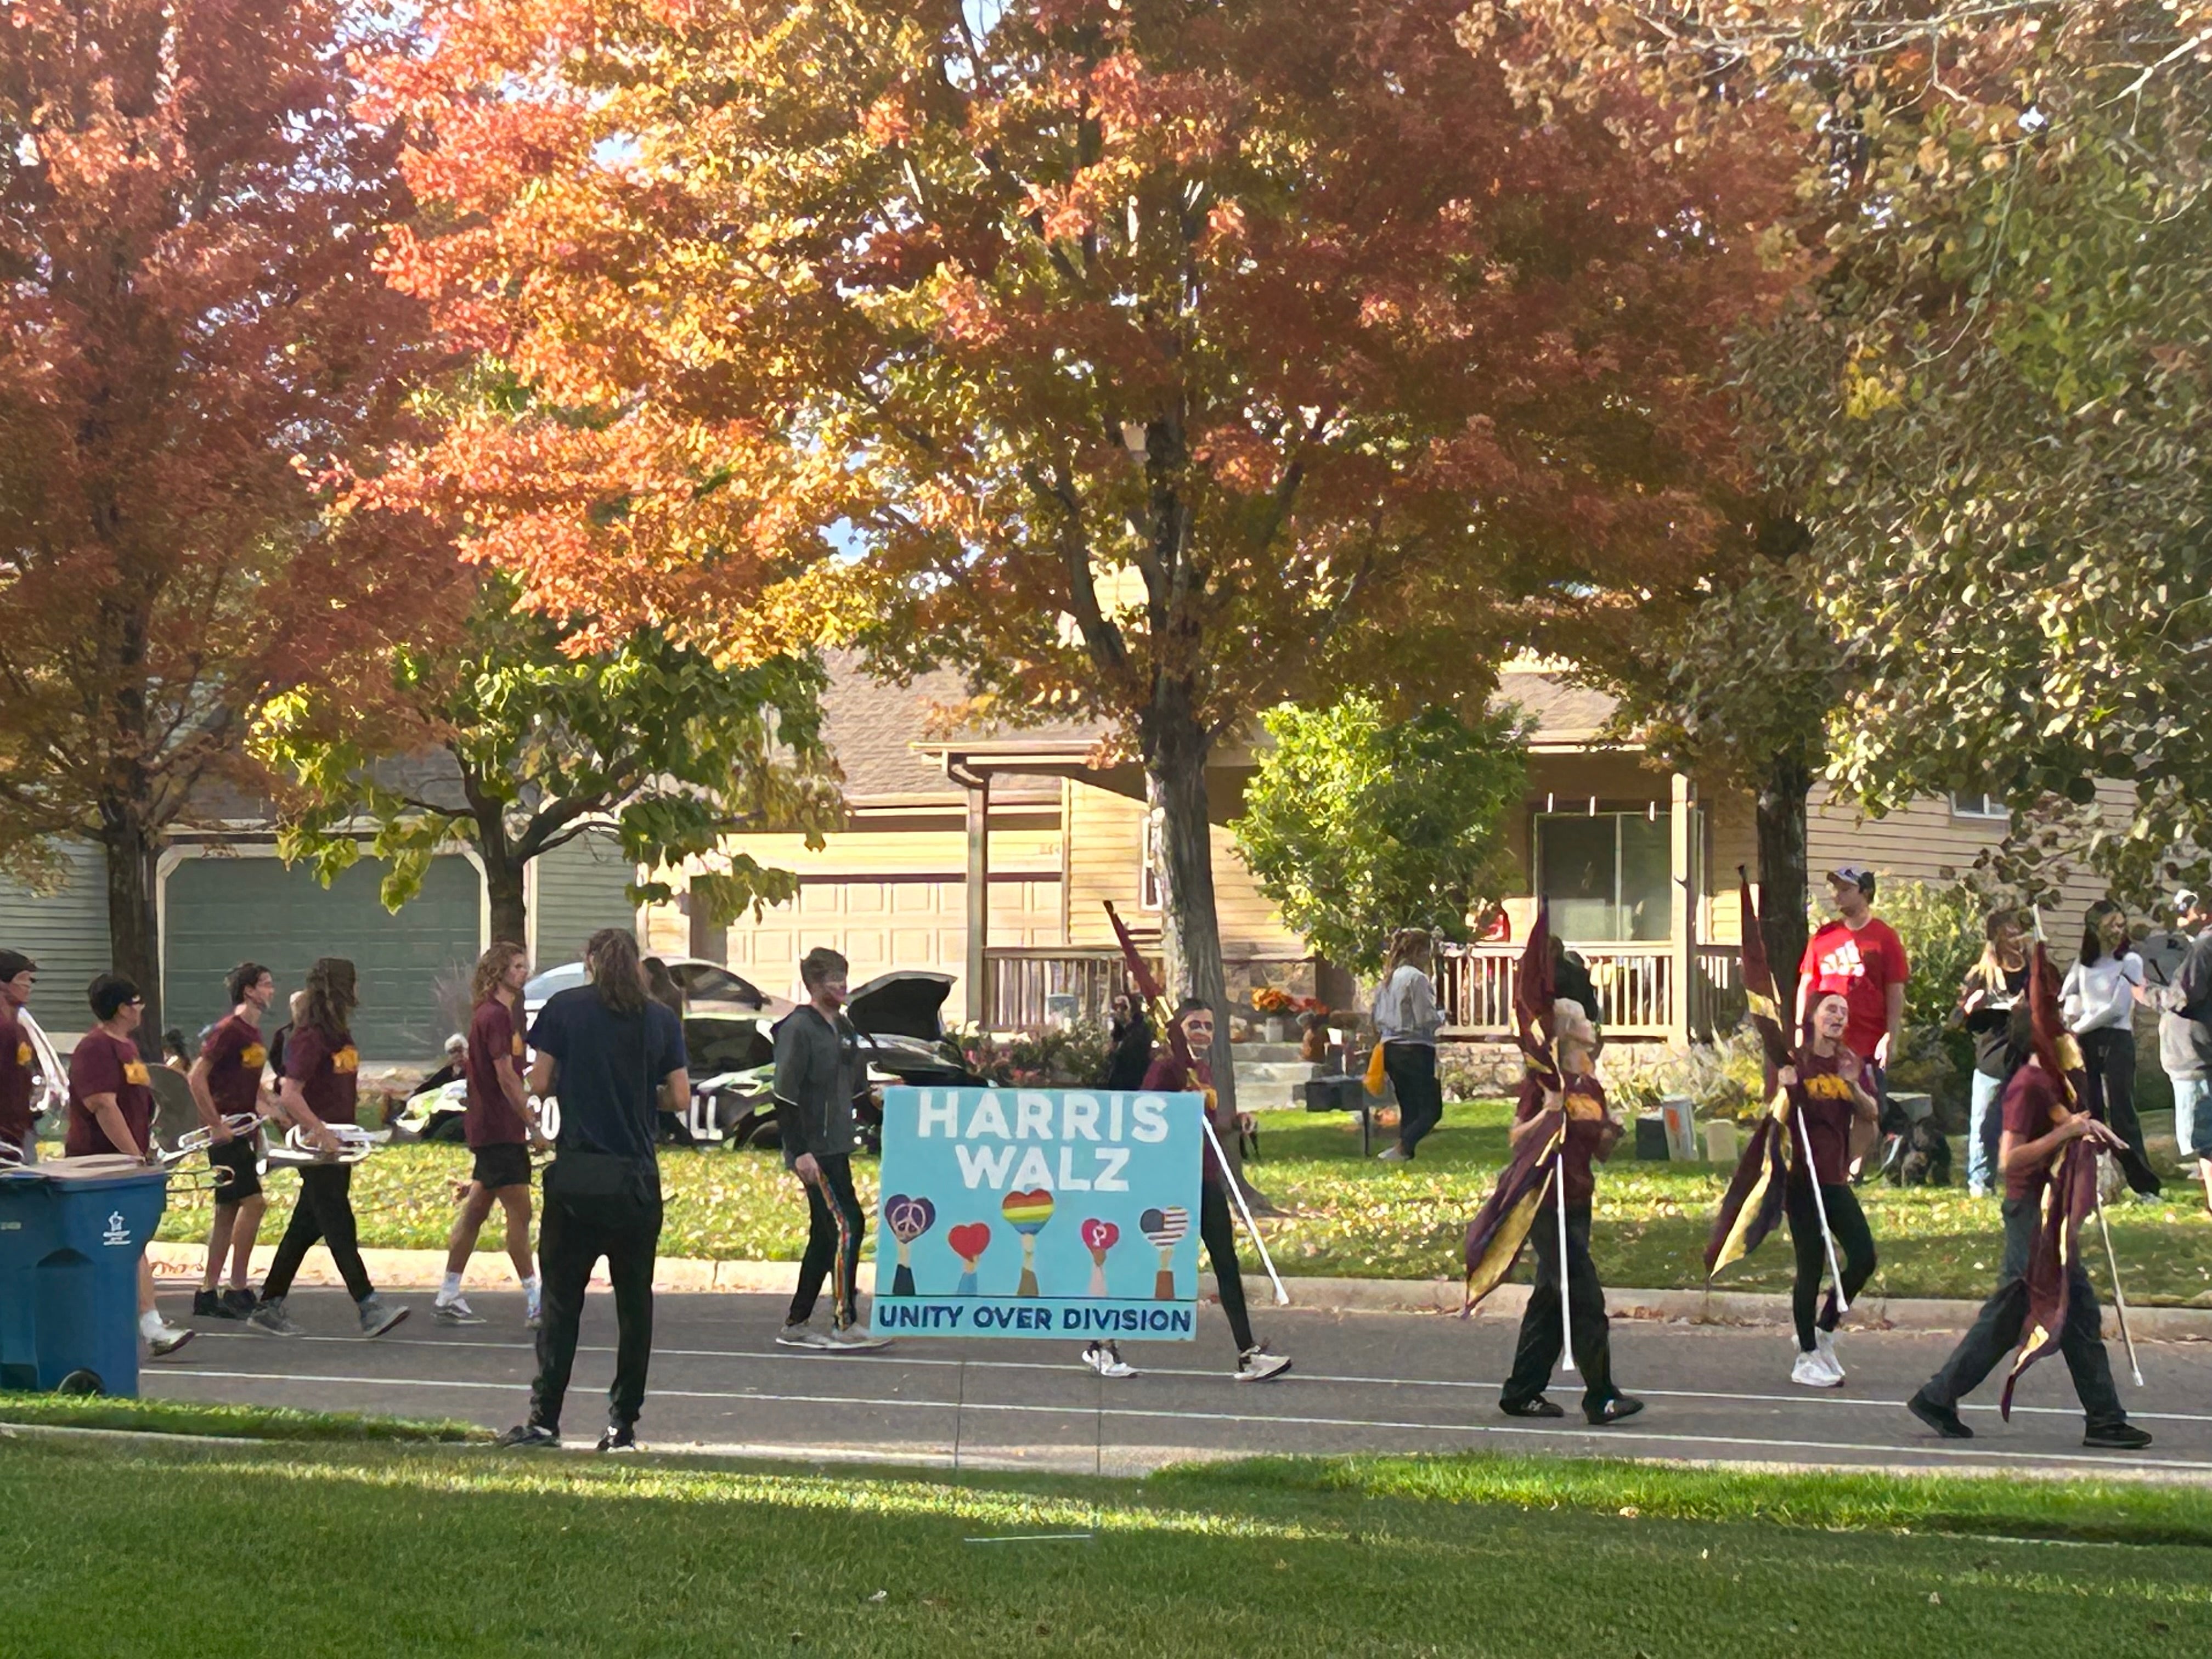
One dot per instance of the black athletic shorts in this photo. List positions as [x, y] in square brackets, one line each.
[501, 1166]
[240, 1157]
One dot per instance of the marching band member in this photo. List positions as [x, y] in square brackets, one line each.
[1835, 1111]
[500, 1123]
[321, 1081]
[226, 1082]
[110, 1110]
[18, 1128]
[1592, 1131]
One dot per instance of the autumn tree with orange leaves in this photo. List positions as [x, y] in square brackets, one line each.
[190, 331]
[1162, 360]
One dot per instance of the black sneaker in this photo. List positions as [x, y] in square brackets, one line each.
[1534, 1406]
[241, 1303]
[529, 1437]
[1621, 1407]
[1940, 1418]
[619, 1438]
[206, 1304]
[2116, 1437]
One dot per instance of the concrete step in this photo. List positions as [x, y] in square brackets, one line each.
[1276, 1070]
[1263, 1053]
[1267, 1096]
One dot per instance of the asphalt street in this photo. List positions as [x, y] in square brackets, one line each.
[1362, 1383]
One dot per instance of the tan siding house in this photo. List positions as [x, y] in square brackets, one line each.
[1640, 872]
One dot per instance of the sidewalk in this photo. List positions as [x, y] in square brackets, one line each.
[423, 1270]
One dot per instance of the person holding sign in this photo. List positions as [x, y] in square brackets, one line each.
[1180, 1070]
[818, 1073]
[1591, 1134]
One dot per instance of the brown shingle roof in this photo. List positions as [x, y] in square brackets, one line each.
[872, 728]
[1563, 712]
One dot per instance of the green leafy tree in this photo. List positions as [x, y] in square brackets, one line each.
[650, 738]
[1356, 824]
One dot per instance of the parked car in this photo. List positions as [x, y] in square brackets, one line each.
[900, 1015]
[50, 1090]
[707, 986]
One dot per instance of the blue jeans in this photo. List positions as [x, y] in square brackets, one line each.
[1984, 1123]
[2192, 1116]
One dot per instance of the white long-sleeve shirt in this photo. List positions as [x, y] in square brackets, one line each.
[1406, 1008]
[2099, 996]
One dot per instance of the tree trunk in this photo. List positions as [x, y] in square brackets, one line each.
[1783, 886]
[503, 874]
[133, 940]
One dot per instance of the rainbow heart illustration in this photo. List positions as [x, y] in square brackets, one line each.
[1025, 1213]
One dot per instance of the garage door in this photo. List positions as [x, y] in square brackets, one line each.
[882, 923]
[221, 911]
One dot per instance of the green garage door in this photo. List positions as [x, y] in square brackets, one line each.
[221, 911]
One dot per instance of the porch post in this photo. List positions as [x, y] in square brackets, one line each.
[1682, 924]
[978, 786]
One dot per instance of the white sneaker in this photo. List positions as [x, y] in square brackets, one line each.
[800, 1336]
[1258, 1365]
[1824, 1344]
[1394, 1155]
[853, 1339]
[1105, 1359]
[1813, 1372]
[166, 1340]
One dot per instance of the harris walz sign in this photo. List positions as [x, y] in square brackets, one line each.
[1038, 1211]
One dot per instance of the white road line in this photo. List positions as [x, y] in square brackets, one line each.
[1602, 1436]
[1817, 1402]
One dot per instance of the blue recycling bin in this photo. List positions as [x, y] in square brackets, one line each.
[70, 1249]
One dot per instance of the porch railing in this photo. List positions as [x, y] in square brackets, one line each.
[1019, 981]
[1637, 984]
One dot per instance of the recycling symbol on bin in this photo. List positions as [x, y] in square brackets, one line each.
[119, 1230]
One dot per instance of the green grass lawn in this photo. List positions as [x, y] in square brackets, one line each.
[1350, 1217]
[226, 1422]
[114, 1549]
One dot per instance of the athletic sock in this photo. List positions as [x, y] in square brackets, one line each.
[150, 1324]
[530, 1285]
[451, 1289]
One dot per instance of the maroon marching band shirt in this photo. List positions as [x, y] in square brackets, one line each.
[104, 1065]
[491, 1118]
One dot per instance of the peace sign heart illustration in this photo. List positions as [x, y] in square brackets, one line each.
[909, 1219]
[969, 1241]
[1166, 1229]
[1027, 1212]
[1099, 1237]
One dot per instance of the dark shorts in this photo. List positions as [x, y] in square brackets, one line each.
[240, 1157]
[501, 1166]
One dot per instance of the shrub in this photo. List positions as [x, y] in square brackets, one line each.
[1058, 1057]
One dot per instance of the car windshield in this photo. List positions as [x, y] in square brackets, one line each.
[702, 981]
[543, 986]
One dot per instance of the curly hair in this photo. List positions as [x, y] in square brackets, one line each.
[333, 995]
[490, 969]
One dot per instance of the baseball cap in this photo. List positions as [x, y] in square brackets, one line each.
[1856, 875]
[2184, 901]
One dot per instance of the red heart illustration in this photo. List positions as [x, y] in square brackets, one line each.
[968, 1242]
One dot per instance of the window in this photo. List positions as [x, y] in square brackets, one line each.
[1979, 806]
[1606, 874]
[1148, 879]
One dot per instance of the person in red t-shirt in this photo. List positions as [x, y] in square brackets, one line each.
[111, 1113]
[2038, 1122]
[18, 1128]
[1839, 1120]
[226, 1082]
[322, 1078]
[1592, 1132]
[502, 1125]
[1859, 955]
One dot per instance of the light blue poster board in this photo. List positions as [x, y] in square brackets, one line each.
[1038, 1213]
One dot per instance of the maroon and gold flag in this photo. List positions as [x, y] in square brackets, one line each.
[1534, 989]
[1500, 1229]
[2069, 1196]
[1751, 1208]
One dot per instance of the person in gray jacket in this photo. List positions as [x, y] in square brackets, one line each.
[818, 1070]
[2185, 1036]
[1405, 1023]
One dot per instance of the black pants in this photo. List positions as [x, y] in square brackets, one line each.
[1538, 1350]
[834, 1228]
[2109, 1057]
[323, 1213]
[1854, 1245]
[573, 1233]
[1411, 1068]
[1998, 1329]
[1218, 1231]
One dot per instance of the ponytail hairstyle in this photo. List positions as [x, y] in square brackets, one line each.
[611, 958]
[490, 969]
[333, 995]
